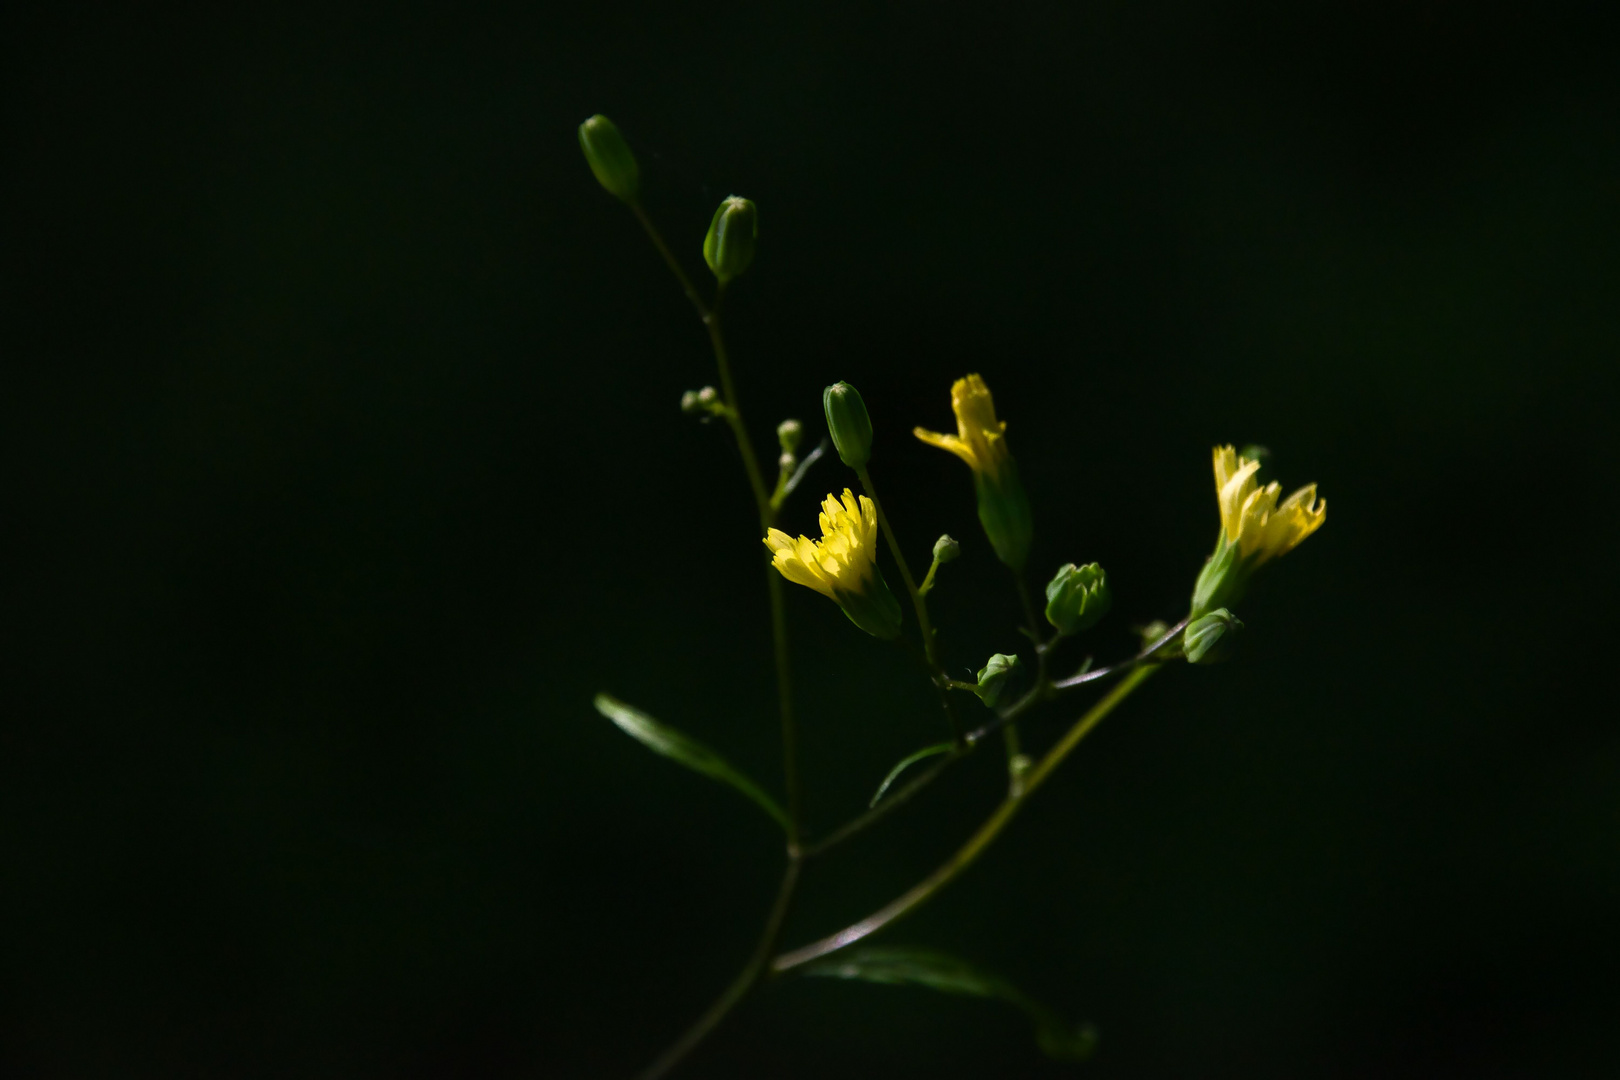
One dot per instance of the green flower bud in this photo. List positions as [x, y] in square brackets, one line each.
[788, 433]
[1077, 598]
[689, 402]
[729, 247]
[946, 549]
[1211, 638]
[993, 677]
[847, 422]
[610, 157]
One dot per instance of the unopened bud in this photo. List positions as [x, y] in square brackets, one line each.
[993, 677]
[946, 549]
[610, 157]
[708, 396]
[689, 402]
[848, 424]
[1211, 638]
[788, 433]
[729, 247]
[1077, 597]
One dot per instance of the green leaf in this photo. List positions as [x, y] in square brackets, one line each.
[906, 763]
[665, 740]
[949, 975]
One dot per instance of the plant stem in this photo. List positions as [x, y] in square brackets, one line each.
[740, 987]
[750, 975]
[919, 603]
[920, 893]
[670, 261]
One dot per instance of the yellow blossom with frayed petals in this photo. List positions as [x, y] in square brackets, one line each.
[1250, 515]
[980, 438]
[842, 565]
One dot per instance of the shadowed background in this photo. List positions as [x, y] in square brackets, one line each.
[345, 465]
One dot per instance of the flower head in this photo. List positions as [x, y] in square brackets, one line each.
[980, 438]
[1250, 515]
[1254, 528]
[842, 565]
[981, 441]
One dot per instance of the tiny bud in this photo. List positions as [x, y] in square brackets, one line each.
[610, 157]
[729, 247]
[848, 424]
[689, 402]
[1210, 639]
[946, 549]
[993, 677]
[788, 433]
[1077, 597]
[708, 396]
[786, 462]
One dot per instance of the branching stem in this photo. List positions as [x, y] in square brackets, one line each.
[965, 856]
[919, 603]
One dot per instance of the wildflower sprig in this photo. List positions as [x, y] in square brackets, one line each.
[844, 565]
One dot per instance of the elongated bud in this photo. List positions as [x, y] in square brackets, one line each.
[847, 422]
[610, 157]
[946, 549]
[1077, 597]
[1211, 638]
[993, 677]
[729, 247]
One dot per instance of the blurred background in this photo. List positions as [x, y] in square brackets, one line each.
[345, 465]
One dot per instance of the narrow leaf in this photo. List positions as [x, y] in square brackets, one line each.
[906, 763]
[949, 975]
[665, 740]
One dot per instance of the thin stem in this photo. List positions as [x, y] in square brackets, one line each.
[740, 987]
[920, 893]
[1147, 654]
[919, 604]
[670, 261]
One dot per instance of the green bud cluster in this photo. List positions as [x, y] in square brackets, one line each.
[1077, 598]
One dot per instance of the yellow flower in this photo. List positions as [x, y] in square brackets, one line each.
[980, 439]
[1252, 520]
[842, 565]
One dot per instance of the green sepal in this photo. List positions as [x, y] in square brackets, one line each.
[665, 740]
[1004, 512]
[946, 974]
[874, 608]
[1222, 580]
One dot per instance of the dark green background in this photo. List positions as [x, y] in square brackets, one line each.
[344, 465]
